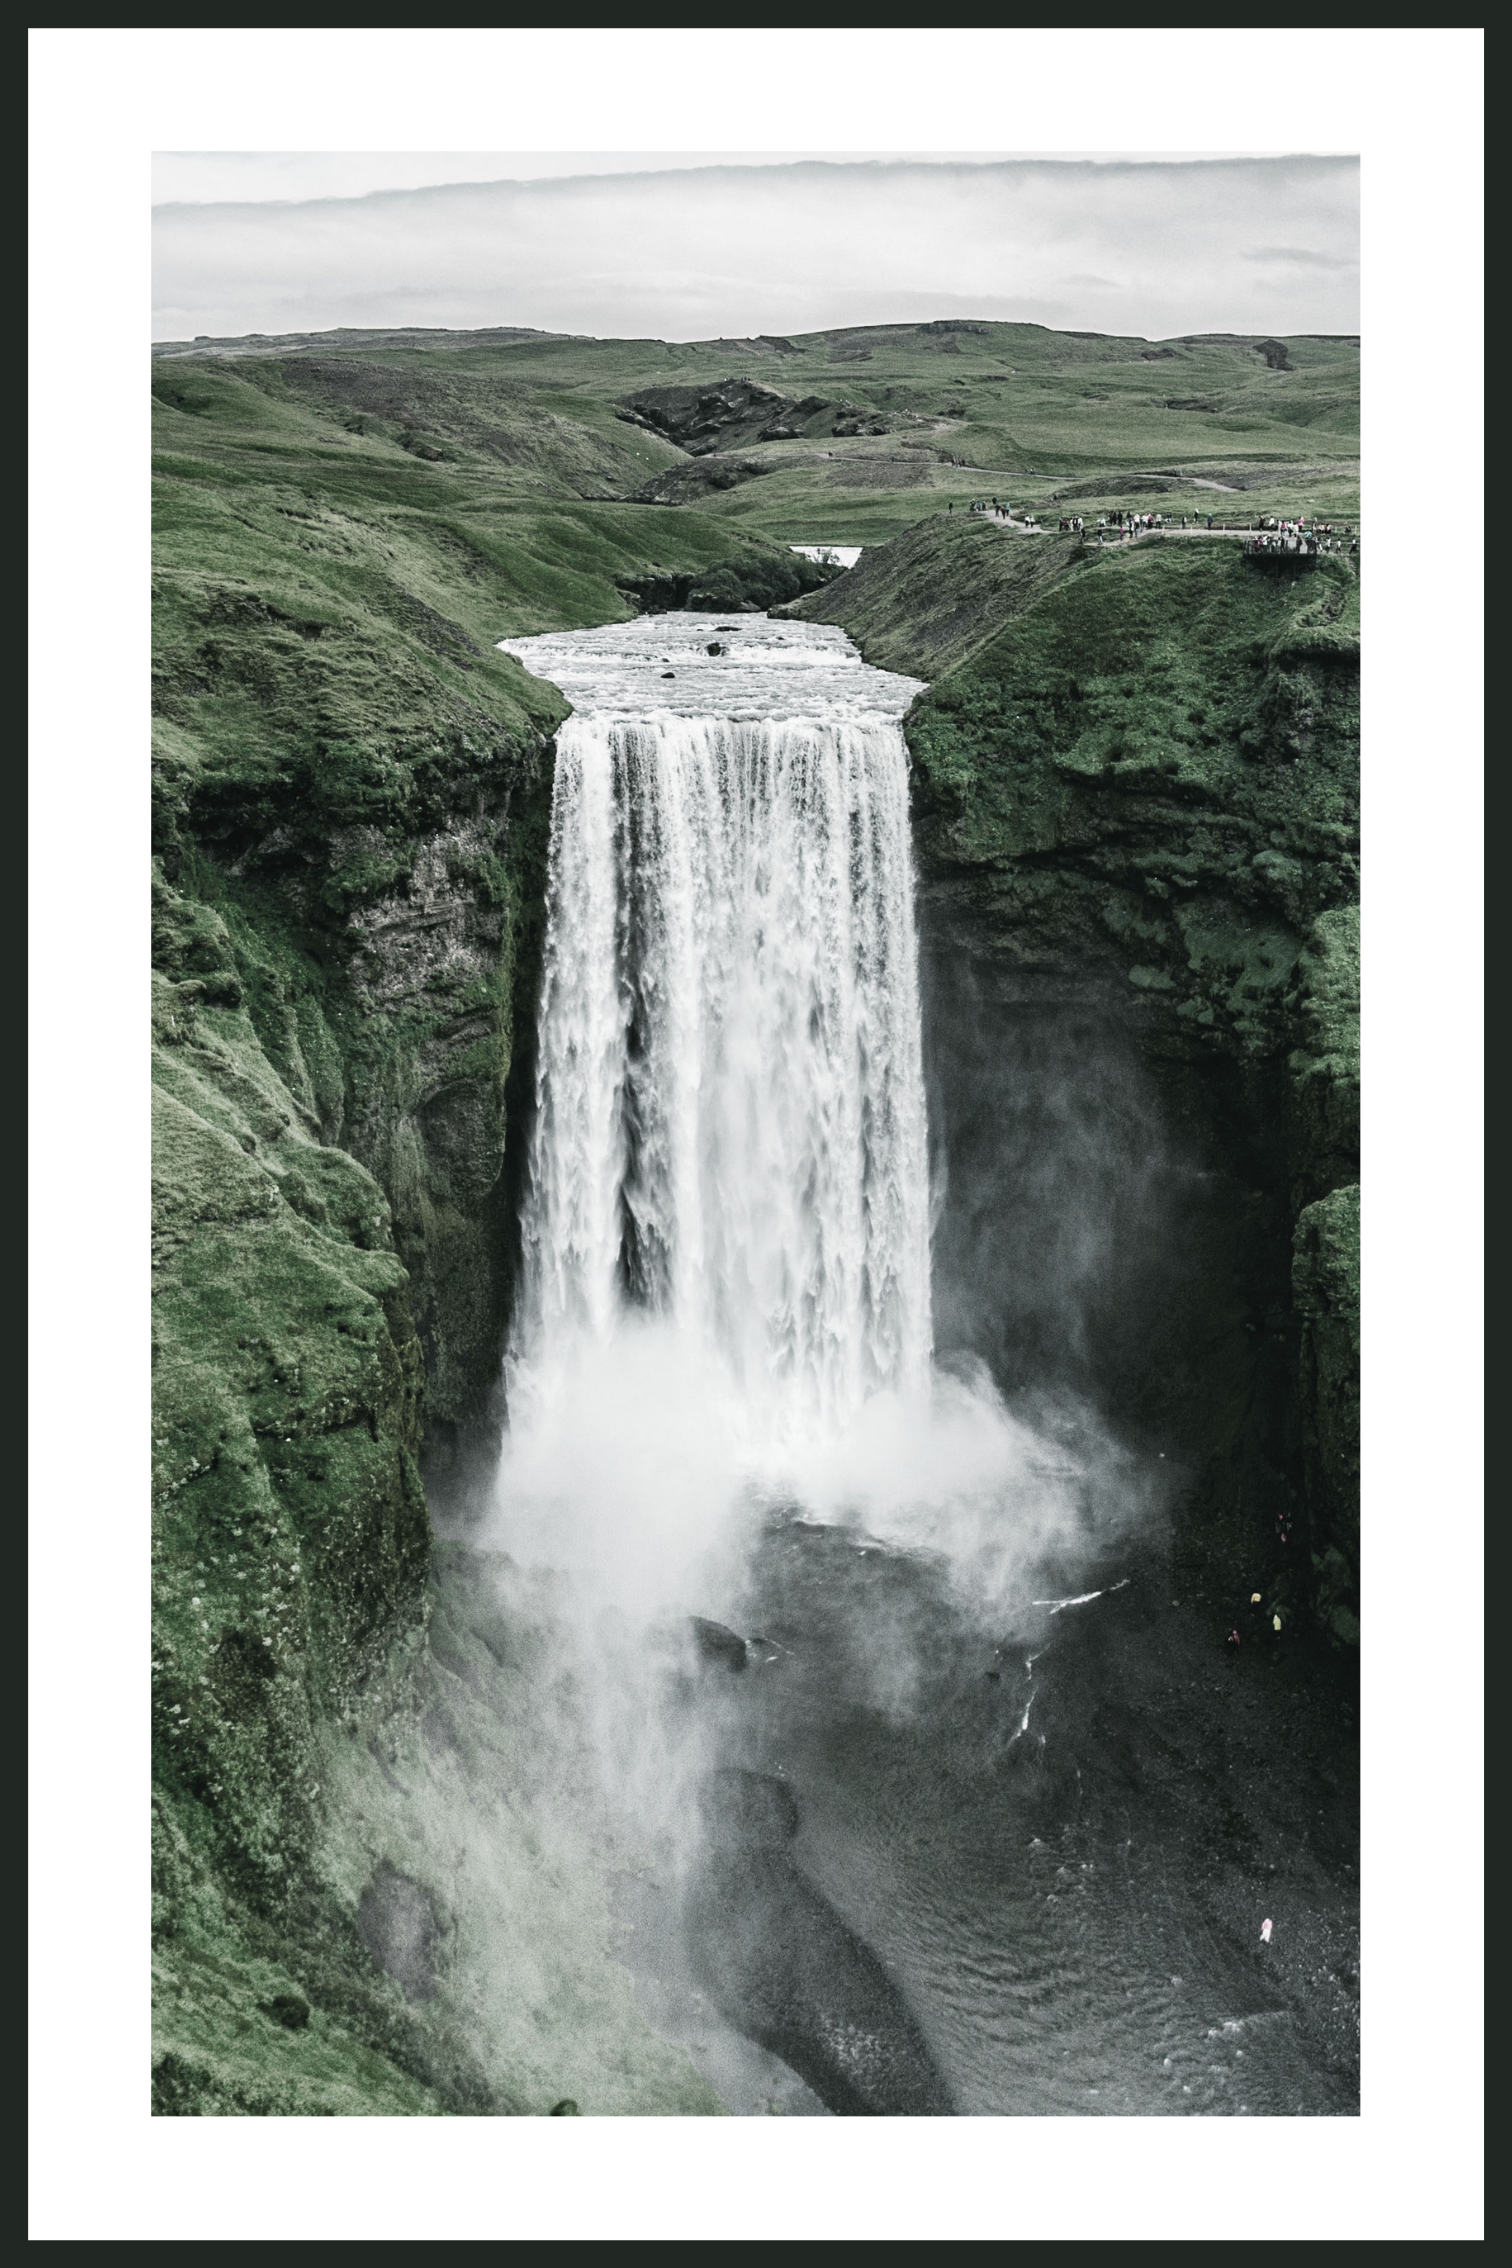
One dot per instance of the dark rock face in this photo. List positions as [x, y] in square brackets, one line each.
[704, 418]
[715, 1644]
[783, 1967]
[853, 422]
[658, 594]
[795, 419]
[1326, 1290]
[716, 422]
[709, 475]
[749, 583]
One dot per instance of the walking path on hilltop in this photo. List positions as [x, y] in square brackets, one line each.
[1336, 538]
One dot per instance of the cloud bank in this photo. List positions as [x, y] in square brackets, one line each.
[1139, 247]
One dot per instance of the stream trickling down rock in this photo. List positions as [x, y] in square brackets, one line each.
[894, 1688]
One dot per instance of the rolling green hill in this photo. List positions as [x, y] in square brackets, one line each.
[926, 414]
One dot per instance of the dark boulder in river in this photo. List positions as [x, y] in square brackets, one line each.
[717, 1644]
[782, 1967]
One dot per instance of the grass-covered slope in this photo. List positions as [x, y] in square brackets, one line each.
[925, 602]
[858, 433]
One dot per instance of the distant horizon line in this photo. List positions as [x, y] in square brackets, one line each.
[734, 338]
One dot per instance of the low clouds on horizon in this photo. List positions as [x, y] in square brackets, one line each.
[1139, 247]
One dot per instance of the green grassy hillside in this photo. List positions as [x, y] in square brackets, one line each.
[926, 601]
[1249, 424]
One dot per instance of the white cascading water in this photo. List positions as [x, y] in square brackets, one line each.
[726, 1235]
[731, 1129]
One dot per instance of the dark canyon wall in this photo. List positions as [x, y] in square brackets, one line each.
[1136, 786]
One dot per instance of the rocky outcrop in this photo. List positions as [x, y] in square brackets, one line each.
[696, 483]
[747, 581]
[719, 421]
[796, 419]
[702, 419]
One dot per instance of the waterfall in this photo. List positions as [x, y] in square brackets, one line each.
[730, 1132]
[724, 1323]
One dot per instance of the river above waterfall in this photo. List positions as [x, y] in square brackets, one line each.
[729, 669]
[946, 1801]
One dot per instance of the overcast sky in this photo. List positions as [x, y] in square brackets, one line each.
[691, 246]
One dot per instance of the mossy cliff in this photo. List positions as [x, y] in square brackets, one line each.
[375, 1886]
[1136, 788]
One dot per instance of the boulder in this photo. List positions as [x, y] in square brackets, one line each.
[717, 1645]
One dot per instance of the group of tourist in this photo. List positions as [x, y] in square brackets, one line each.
[1125, 524]
[1124, 527]
[1303, 535]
